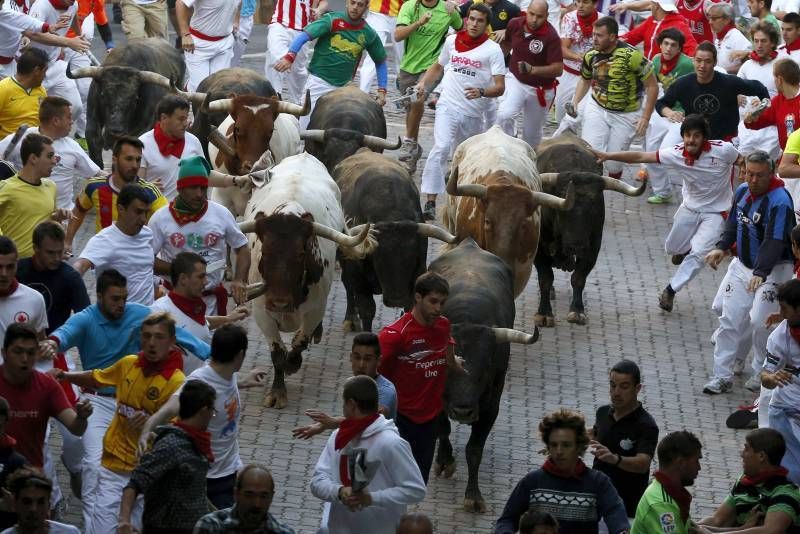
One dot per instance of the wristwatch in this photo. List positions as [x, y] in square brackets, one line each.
[482, 92]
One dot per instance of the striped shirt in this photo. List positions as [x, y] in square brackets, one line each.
[101, 195]
[385, 7]
[776, 494]
[294, 14]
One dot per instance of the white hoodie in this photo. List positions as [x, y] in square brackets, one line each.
[396, 484]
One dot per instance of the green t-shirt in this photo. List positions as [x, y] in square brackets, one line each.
[339, 47]
[657, 513]
[425, 43]
[776, 494]
[772, 19]
[617, 76]
[685, 65]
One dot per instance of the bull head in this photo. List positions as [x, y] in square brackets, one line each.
[480, 191]
[95, 72]
[370, 141]
[321, 230]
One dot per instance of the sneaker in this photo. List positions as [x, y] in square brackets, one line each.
[666, 300]
[677, 259]
[717, 386]
[409, 150]
[659, 199]
[753, 383]
[82, 142]
[745, 417]
[429, 213]
[60, 510]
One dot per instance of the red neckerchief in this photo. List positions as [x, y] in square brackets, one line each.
[13, 287]
[7, 442]
[689, 159]
[778, 472]
[721, 35]
[775, 183]
[465, 43]
[795, 330]
[541, 31]
[587, 23]
[795, 45]
[342, 24]
[58, 4]
[668, 64]
[168, 146]
[194, 308]
[760, 60]
[166, 368]
[677, 492]
[200, 438]
[186, 218]
[352, 427]
[551, 468]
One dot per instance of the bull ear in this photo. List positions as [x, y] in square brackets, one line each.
[307, 217]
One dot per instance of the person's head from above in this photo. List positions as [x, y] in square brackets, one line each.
[564, 434]
[193, 183]
[789, 299]
[585, 8]
[790, 28]
[112, 292]
[172, 114]
[763, 451]
[55, 116]
[31, 67]
[187, 272]
[359, 397]
[196, 403]
[38, 155]
[536, 14]
[5, 409]
[133, 209]
[670, 42]
[30, 492]
[759, 8]
[253, 494]
[719, 15]
[679, 455]
[229, 345]
[126, 158]
[759, 170]
[705, 59]
[537, 522]
[625, 383]
[365, 354]
[765, 39]
[430, 295]
[695, 132]
[356, 9]
[604, 34]
[158, 336]
[20, 350]
[8, 264]
[48, 245]
[477, 20]
[796, 241]
[786, 73]
[414, 523]
[660, 8]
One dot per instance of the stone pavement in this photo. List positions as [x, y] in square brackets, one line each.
[566, 368]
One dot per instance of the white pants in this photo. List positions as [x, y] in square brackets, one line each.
[317, 87]
[696, 233]
[384, 26]
[661, 133]
[608, 131]
[567, 83]
[9, 69]
[208, 57]
[523, 98]
[449, 129]
[765, 139]
[83, 84]
[56, 83]
[99, 421]
[106, 510]
[279, 37]
[71, 457]
[744, 314]
[240, 43]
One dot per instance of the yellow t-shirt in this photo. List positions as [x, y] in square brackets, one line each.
[793, 144]
[18, 105]
[135, 393]
[22, 207]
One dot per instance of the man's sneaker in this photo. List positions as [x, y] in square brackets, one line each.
[82, 142]
[743, 418]
[677, 259]
[666, 300]
[429, 213]
[753, 383]
[717, 386]
[659, 199]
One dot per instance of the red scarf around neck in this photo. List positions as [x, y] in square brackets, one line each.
[194, 308]
[668, 64]
[200, 438]
[689, 159]
[541, 31]
[7, 442]
[778, 472]
[183, 217]
[677, 492]
[550, 467]
[168, 146]
[721, 35]
[795, 45]
[465, 43]
[352, 427]
[760, 60]
[586, 23]
[166, 368]
[774, 183]
[795, 330]
[13, 287]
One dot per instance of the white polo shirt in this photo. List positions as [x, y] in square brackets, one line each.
[24, 305]
[733, 41]
[44, 11]
[753, 70]
[12, 24]
[212, 17]
[165, 169]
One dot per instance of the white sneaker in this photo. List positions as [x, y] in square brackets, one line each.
[717, 386]
[753, 383]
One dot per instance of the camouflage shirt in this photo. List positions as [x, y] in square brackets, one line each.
[226, 521]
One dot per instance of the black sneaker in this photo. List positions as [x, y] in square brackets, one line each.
[677, 259]
[666, 300]
[429, 213]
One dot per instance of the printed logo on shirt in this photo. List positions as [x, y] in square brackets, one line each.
[626, 444]
[503, 15]
[24, 414]
[152, 393]
[127, 411]
[21, 317]
[231, 409]
[535, 46]
[466, 62]
[195, 241]
[667, 521]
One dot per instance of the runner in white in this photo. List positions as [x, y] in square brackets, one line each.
[288, 20]
[382, 17]
[790, 32]
[206, 28]
[728, 40]
[576, 40]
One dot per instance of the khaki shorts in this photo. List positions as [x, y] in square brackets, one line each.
[406, 80]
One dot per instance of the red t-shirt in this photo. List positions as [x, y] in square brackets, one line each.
[540, 48]
[783, 113]
[697, 21]
[31, 406]
[413, 359]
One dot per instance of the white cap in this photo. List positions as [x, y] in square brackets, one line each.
[666, 5]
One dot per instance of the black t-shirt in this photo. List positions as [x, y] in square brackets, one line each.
[63, 290]
[634, 434]
[502, 13]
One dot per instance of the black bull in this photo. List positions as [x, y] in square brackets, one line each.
[481, 310]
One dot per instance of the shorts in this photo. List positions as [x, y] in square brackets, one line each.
[406, 80]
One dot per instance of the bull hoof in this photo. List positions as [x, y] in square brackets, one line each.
[444, 470]
[347, 326]
[546, 321]
[475, 505]
[576, 318]
[316, 335]
[276, 399]
[293, 363]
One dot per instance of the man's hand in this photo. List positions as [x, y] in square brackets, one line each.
[145, 439]
[239, 291]
[472, 93]
[239, 313]
[641, 126]
[79, 44]
[84, 409]
[599, 156]
[254, 378]
[187, 43]
[602, 453]
[308, 431]
[358, 500]
[571, 110]
[419, 89]
[48, 349]
[777, 379]
[63, 22]
[618, 9]
[282, 65]
[137, 420]
[124, 527]
[714, 258]
[55, 373]
[754, 283]
[773, 319]
[755, 517]
[324, 419]
[739, 55]
[424, 19]
[450, 6]
[61, 214]
[499, 36]
[674, 116]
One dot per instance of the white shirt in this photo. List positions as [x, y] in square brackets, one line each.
[132, 256]
[212, 17]
[783, 352]
[224, 425]
[163, 168]
[73, 164]
[794, 54]
[200, 331]
[707, 182]
[570, 29]
[53, 527]
[12, 24]
[787, 6]
[292, 13]
[753, 70]
[25, 305]
[733, 41]
[472, 69]
[207, 237]
[44, 11]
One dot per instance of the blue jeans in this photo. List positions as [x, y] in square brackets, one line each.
[786, 421]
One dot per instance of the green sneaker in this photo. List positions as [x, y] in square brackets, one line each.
[659, 199]
[82, 142]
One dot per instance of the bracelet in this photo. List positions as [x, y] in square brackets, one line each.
[482, 92]
[186, 34]
[619, 460]
[290, 57]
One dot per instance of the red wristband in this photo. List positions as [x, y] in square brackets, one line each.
[382, 90]
[289, 57]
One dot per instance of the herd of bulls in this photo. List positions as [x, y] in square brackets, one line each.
[341, 200]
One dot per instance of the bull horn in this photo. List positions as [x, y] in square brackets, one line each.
[510, 335]
[318, 136]
[340, 238]
[197, 99]
[216, 138]
[294, 109]
[558, 203]
[247, 227]
[223, 104]
[612, 184]
[155, 78]
[83, 72]
[255, 290]
[466, 190]
[436, 232]
[379, 143]
[549, 178]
